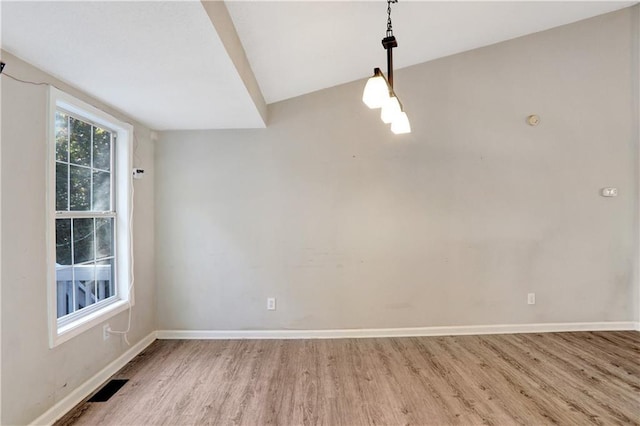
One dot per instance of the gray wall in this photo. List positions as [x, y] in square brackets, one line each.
[35, 377]
[350, 226]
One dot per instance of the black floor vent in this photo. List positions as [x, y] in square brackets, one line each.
[108, 390]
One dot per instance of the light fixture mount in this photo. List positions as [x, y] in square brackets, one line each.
[389, 42]
[379, 93]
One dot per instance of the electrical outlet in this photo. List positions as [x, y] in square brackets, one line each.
[271, 303]
[105, 332]
[531, 298]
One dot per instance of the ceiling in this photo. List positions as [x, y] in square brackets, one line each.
[160, 62]
[171, 64]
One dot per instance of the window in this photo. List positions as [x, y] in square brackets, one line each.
[89, 204]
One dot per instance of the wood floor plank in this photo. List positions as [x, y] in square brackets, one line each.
[491, 385]
[560, 380]
[552, 378]
[512, 386]
[456, 408]
[614, 372]
[598, 385]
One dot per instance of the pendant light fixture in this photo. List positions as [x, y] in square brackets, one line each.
[378, 92]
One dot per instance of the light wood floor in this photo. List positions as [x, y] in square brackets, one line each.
[556, 378]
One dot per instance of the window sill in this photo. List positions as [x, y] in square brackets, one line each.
[68, 331]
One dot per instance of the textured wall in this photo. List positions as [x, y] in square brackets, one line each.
[35, 377]
[350, 226]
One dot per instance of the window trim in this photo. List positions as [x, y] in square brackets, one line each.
[123, 248]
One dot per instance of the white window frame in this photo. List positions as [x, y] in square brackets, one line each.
[59, 333]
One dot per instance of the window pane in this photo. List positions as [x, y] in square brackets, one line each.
[62, 187]
[104, 273]
[82, 240]
[101, 149]
[80, 142]
[63, 242]
[85, 285]
[101, 191]
[104, 237]
[64, 291]
[62, 133]
[86, 185]
[80, 191]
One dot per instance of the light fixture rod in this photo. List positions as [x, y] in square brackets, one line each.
[390, 66]
[389, 43]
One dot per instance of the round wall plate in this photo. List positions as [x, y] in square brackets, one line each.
[533, 120]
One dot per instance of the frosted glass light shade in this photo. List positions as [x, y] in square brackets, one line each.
[375, 92]
[390, 110]
[401, 124]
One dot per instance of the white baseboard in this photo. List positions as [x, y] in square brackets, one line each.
[636, 326]
[65, 405]
[397, 332]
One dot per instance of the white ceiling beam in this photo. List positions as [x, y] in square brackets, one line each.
[221, 20]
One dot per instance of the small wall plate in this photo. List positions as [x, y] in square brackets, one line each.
[533, 120]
